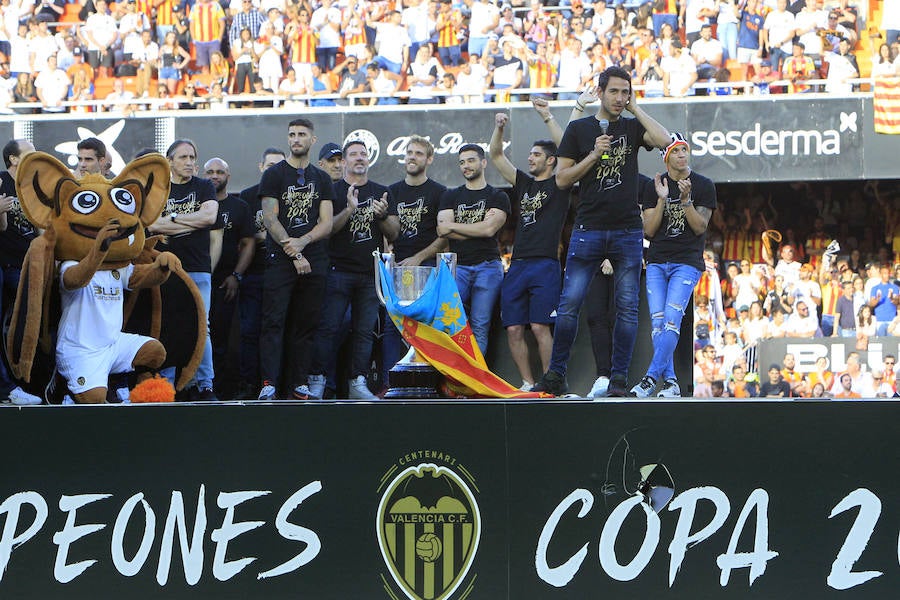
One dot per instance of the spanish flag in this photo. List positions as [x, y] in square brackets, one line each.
[437, 327]
[886, 105]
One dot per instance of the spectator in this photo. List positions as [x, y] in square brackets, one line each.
[292, 87]
[679, 72]
[794, 378]
[664, 13]
[802, 323]
[695, 14]
[393, 43]
[508, 74]
[19, 52]
[50, 11]
[352, 79]
[320, 85]
[542, 71]
[883, 63]
[740, 384]
[52, 87]
[845, 390]
[821, 375]
[797, 69]
[243, 53]
[776, 386]
[131, 26]
[78, 65]
[383, 83]
[248, 17]
[449, 29]
[41, 46]
[119, 100]
[172, 59]
[191, 101]
[99, 35]
[81, 90]
[207, 24]
[418, 22]
[220, 70]
[844, 315]
[807, 289]
[167, 13]
[164, 100]
[808, 23]
[422, 75]
[890, 363]
[354, 31]
[269, 49]
[707, 53]
[326, 22]
[883, 300]
[537, 30]
[145, 57]
[485, 18]
[302, 41]
[473, 79]
[574, 70]
[750, 39]
[216, 100]
[508, 17]
[778, 34]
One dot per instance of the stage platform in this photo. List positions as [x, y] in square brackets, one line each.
[459, 500]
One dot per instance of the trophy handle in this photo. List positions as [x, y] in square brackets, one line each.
[388, 259]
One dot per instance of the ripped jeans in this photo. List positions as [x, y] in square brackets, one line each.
[669, 289]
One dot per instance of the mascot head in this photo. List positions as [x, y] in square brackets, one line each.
[76, 209]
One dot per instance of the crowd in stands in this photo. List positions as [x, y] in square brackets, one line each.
[835, 274]
[197, 53]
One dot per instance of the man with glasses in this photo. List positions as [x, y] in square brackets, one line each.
[359, 229]
[296, 198]
[802, 323]
[890, 373]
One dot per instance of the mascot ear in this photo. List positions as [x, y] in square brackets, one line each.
[38, 179]
[151, 174]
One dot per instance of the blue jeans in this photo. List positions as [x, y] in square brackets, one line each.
[669, 289]
[827, 325]
[662, 18]
[881, 328]
[727, 34]
[450, 55]
[587, 249]
[205, 374]
[479, 289]
[343, 289]
[476, 45]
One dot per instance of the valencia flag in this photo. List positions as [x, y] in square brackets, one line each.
[886, 105]
[437, 327]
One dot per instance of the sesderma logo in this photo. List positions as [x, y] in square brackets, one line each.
[769, 142]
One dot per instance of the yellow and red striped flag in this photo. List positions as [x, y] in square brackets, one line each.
[886, 105]
[437, 327]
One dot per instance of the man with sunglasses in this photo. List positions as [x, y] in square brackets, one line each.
[296, 198]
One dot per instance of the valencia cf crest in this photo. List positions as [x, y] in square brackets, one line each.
[428, 528]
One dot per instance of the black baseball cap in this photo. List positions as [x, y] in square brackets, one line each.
[330, 149]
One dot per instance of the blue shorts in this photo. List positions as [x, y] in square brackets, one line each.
[169, 73]
[530, 291]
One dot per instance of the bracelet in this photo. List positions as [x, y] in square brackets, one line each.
[579, 106]
[548, 119]
[237, 276]
[688, 203]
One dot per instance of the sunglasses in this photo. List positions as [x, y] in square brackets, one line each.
[301, 177]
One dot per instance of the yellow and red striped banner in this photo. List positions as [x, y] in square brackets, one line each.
[886, 104]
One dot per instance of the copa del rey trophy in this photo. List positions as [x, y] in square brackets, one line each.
[411, 377]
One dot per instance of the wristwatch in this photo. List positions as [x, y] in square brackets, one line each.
[172, 216]
[237, 276]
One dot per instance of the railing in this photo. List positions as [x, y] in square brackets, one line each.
[738, 88]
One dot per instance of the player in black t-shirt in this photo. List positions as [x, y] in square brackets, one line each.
[359, 228]
[531, 286]
[16, 233]
[676, 212]
[297, 203]
[190, 212]
[412, 218]
[250, 306]
[235, 255]
[600, 153]
[470, 217]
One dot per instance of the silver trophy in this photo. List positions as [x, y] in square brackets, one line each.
[411, 377]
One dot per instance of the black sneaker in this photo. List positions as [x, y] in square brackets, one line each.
[205, 395]
[552, 383]
[617, 387]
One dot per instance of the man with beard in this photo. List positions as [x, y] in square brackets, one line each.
[297, 204]
[186, 221]
[236, 253]
[16, 234]
[531, 286]
[412, 219]
[470, 217]
[601, 152]
[358, 230]
[91, 156]
[250, 305]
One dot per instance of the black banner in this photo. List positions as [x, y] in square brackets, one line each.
[450, 500]
[735, 139]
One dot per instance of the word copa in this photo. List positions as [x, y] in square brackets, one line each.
[191, 550]
[841, 577]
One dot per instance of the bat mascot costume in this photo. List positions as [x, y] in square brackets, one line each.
[94, 248]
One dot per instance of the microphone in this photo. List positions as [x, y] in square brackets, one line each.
[604, 127]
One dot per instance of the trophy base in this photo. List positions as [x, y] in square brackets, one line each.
[409, 381]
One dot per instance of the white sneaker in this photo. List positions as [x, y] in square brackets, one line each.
[359, 390]
[267, 392]
[316, 385]
[669, 389]
[526, 387]
[20, 397]
[645, 387]
[599, 388]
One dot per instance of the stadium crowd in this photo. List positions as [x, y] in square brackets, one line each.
[176, 54]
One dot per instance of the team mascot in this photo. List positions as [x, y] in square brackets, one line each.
[94, 248]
